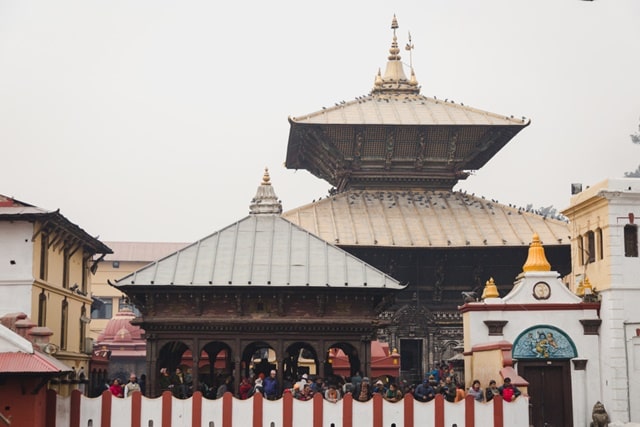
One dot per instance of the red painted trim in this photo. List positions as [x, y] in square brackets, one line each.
[227, 410]
[136, 409]
[196, 409]
[347, 410]
[377, 410]
[439, 407]
[318, 403]
[105, 419]
[529, 307]
[167, 402]
[498, 411]
[257, 410]
[469, 411]
[52, 398]
[408, 410]
[287, 410]
[498, 345]
[74, 415]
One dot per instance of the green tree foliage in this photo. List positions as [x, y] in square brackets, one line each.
[635, 138]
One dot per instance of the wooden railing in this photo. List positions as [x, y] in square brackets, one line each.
[168, 411]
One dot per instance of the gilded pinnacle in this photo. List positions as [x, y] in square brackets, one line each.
[266, 178]
[536, 261]
[583, 286]
[394, 81]
[490, 290]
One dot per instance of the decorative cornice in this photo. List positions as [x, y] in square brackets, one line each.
[530, 307]
[257, 328]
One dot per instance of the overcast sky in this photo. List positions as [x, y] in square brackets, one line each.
[154, 120]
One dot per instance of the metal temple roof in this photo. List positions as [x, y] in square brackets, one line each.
[257, 251]
[424, 219]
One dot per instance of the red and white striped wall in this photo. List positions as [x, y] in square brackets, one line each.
[167, 411]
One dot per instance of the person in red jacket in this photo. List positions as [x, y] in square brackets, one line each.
[116, 388]
[508, 391]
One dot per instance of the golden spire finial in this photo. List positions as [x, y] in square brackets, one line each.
[490, 290]
[266, 178]
[536, 261]
[265, 201]
[394, 81]
[394, 50]
[584, 288]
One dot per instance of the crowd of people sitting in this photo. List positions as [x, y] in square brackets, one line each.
[441, 380]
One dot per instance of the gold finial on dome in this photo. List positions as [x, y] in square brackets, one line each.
[265, 201]
[394, 50]
[490, 290]
[266, 178]
[536, 261]
[394, 81]
[584, 288]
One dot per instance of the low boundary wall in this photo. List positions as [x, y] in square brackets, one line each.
[168, 411]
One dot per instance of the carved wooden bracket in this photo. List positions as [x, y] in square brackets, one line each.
[591, 326]
[580, 364]
[495, 326]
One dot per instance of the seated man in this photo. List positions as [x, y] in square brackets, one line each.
[508, 391]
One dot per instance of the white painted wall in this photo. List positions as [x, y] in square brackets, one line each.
[16, 267]
[608, 204]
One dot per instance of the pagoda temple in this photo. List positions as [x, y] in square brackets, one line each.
[257, 295]
[393, 158]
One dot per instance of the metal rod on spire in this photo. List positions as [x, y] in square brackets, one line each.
[409, 47]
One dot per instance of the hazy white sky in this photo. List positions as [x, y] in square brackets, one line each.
[153, 120]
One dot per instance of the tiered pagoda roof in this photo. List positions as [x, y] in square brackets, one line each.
[396, 138]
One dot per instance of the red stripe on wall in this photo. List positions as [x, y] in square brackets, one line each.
[498, 412]
[287, 410]
[439, 415]
[196, 409]
[227, 410]
[408, 402]
[136, 409]
[52, 407]
[105, 419]
[469, 411]
[74, 416]
[377, 410]
[167, 402]
[257, 410]
[318, 402]
[347, 410]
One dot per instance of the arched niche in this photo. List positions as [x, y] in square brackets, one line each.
[544, 342]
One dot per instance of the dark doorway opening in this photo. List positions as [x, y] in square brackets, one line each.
[411, 360]
[549, 391]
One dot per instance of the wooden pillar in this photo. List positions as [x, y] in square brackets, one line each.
[195, 369]
[365, 356]
[322, 354]
[236, 355]
[153, 370]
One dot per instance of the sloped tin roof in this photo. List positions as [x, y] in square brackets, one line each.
[424, 219]
[405, 109]
[141, 251]
[17, 356]
[261, 250]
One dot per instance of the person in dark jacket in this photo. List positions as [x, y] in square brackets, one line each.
[424, 392]
[271, 389]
